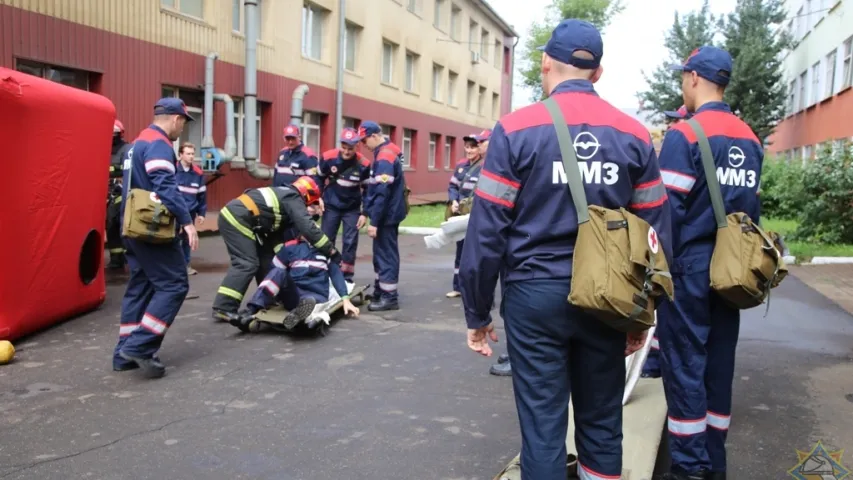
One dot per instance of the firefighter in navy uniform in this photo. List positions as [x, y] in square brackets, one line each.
[158, 281]
[385, 206]
[347, 173]
[113, 226]
[697, 331]
[294, 160]
[253, 227]
[523, 227]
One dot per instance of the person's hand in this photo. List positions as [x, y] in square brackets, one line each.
[636, 340]
[478, 341]
[322, 207]
[200, 220]
[371, 231]
[192, 236]
[362, 220]
[454, 207]
[314, 210]
[350, 309]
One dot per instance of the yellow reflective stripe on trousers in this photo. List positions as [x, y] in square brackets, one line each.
[229, 292]
[226, 214]
[271, 200]
[323, 240]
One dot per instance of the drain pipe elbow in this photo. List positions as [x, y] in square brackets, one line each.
[230, 149]
[296, 104]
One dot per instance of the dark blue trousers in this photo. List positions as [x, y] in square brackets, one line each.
[278, 286]
[698, 336]
[556, 350]
[332, 219]
[155, 292]
[459, 244]
[386, 261]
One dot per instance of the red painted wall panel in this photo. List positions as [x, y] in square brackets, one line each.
[132, 73]
[830, 119]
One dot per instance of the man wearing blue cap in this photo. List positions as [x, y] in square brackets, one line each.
[697, 332]
[158, 272]
[294, 160]
[347, 173]
[522, 229]
[385, 207]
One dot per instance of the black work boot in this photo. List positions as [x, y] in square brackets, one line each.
[700, 475]
[223, 316]
[302, 311]
[503, 358]
[117, 261]
[383, 305]
[242, 320]
[150, 367]
[126, 367]
[501, 369]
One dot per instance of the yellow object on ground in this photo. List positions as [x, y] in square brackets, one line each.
[7, 352]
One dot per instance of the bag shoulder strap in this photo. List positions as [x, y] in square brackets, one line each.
[710, 173]
[570, 160]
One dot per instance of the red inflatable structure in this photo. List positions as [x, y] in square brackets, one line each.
[56, 152]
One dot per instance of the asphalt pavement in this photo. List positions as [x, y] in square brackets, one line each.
[390, 396]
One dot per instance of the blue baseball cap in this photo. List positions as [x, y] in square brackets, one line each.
[350, 136]
[711, 63]
[368, 128]
[172, 106]
[681, 113]
[571, 36]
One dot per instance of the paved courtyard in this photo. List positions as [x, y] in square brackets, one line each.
[392, 396]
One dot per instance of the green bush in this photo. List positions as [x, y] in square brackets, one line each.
[782, 189]
[827, 198]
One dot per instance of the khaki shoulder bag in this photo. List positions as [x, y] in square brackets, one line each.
[619, 267]
[747, 261]
[145, 217]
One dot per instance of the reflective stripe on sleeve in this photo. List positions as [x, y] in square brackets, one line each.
[648, 195]
[284, 170]
[159, 164]
[497, 189]
[677, 181]
[718, 421]
[347, 183]
[683, 428]
[309, 264]
[191, 190]
[455, 181]
[278, 263]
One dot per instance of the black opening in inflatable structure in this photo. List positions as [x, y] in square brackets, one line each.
[91, 255]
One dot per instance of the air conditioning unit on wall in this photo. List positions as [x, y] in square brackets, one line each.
[475, 57]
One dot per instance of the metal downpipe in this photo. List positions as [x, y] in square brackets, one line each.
[339, 93]
[250, 98]
[230, 150]
[207, 138]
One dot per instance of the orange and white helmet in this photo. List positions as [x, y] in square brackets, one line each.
[308, 188]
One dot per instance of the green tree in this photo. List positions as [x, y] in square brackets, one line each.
[755, 41]
[664, 87]
[596, 12]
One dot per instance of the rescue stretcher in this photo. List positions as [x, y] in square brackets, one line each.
[320, 319]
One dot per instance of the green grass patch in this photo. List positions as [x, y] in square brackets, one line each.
[425, 216]
[802, 250]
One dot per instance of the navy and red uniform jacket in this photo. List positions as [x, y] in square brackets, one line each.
[384, 203]
[347, 180]
[191, 184]
[310, 269]
[294, 163]
[738, 157]
[153, 163]
[464, 179]
[523, 222]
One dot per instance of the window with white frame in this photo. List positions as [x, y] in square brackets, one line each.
[414, 6]
[448, 152]
[452, 78]
[389, 53]
[830, 74]
[408, 134]
[237, 9]
[240, 126]
[481, 101]
[847, 64]
[66, 76]
[350, 122]
[472, 96]
[792, 91]
[801, 101]
[473, 30]
[411, 71]
[484, 44]
[386, 130]
[496, 106]
[808, 152]
[437, 14]
[311, 130]
[498, 56]
[815, 84]
[433, 142]
[351, 41]
[313, 22]
[193, 132]
[192, 8]
[455, 22]
[437, 73]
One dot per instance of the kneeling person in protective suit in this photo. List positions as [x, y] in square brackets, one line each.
[299, 280]
[252, 225]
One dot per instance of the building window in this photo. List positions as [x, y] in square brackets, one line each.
[311, 130]
[472, 35]
[389, 52]
[847, 63]
[437, 73]
[237, 9]
[408, 137]
[484, 45]
[448, 152]
[411, 71]
[498, 56]
[194, 101]
[313, 19]
[472, 92]
[192, 8]
[801, 102]
[481, 101]
[66, 76]
[451, 87]
[413, 6]
[388, 131]
[437, 14]
[792, 90]
[350, 122]
[496, 106]
[808, 152]
[507, 60]
[239, 125]
[830, 74]
[455, 22]
[433, 141]
[351, 40]
[815, 83]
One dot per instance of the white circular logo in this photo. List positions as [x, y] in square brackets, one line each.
[281, 157]
[587, 143]
[736, 156]
[154, 197]
[348, 135]
[654, 243]
[334, 169]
